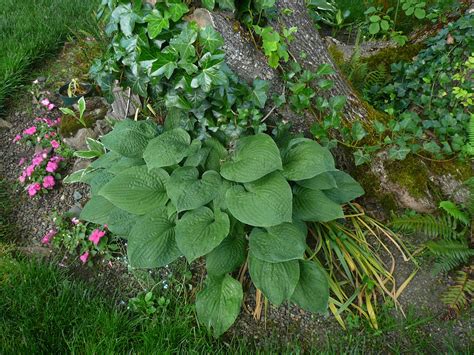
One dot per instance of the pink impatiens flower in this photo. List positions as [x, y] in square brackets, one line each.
[84, 257]
[29, 170]
[30, 131]
[17, 138]
[75, 221]
[45, 102]
[51, 107]
[96, 235]
[33, 189]
[51, 167]
[48, 182]
[22, 177]
[54, 144]
[48, 236]
[22, 161]
[37, 160]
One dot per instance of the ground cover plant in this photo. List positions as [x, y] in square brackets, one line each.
[30, 30]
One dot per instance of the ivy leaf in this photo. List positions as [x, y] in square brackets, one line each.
[315, 206]
[165, 64]
[360, 157]
[176, 10]
[218, 304]
[137, 190]
[209, 38]
[254, 157]
[228, 255]
[137, 79]
[398, 153]
[209, 4]
[277, 281]
[259, 92]
[263, 203]
[184, 42]
[129, 138]
[156, 23]
[312, 291]
[278, 244]
[226, 4]
[167, 149]
[358, 131]
[199, 231]
[187, 192]
[347, 188]
[305, 158]
[152, 241]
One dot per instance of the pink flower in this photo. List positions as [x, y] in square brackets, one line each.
[55, 144]
[51, 167]
[96, 235]
[56, 159]
[51, 107]
[30, 131]
[33, 189]
[48, 236]
[84, 257]
[22, 161]
[45, 102]
[75, 221]
[22, 177]
[37, 160]
[29, 170]
[48, 182]
[17, 138]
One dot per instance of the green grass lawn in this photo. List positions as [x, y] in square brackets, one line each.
[32, 29]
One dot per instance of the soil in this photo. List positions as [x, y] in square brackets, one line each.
[32, 218]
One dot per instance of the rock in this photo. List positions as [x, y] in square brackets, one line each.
[102, 127]
[452, 188]
[75, 211]
[77, 195]
[78, 142]
[80, 164]
[5, 124]
[124, 99]
[35, 251]
[403, 197]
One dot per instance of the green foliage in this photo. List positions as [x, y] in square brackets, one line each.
[457, 296]
[179, 209]
[453, 227]
[275, 45]
[429, 84]
[180, 67]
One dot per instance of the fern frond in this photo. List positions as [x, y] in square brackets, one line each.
[376, 77]
[471, 131]
[456, 296]
[453, 210]
[432, 226]
[451, 254]
[470, 203]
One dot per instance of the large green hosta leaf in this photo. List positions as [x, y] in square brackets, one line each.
[167, 149]
[201, 230]
[130, 138]
[322, 181]
[347, 188]
[312, 291]
[304, 159]
[263, 203]
[137, 190]
[255, 157]
[315, 206]
[277, 244]
[218, 304]
[152, 240]
[226, 257]
[188, 192]
[97, 210]
[120, 222]
[277, 281]
[217, 153]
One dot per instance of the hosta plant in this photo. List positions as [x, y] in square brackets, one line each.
[171, 195]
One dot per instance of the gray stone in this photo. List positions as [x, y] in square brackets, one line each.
[125, 103]
[77, 195]
[5, 124]
[102, 127]
[80, 164]
[78, 142]
[75, 211]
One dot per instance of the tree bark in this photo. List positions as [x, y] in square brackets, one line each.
[308, 41]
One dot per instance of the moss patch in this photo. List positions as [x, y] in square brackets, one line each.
[390, 55]
[70, 125]
[409, 174]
